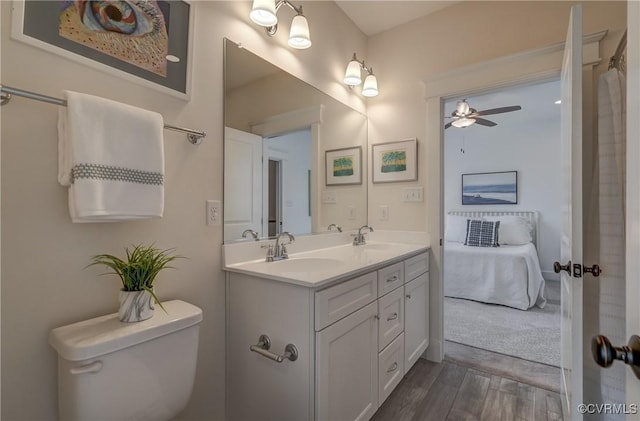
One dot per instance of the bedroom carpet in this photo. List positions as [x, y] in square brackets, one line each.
[532, 335]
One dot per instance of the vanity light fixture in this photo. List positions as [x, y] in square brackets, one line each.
[264, 13]
[353, 77]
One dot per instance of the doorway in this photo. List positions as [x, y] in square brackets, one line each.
[504, 299]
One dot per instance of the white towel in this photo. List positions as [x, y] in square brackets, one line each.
[111, 155]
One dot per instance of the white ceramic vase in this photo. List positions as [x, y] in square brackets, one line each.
[135, 306]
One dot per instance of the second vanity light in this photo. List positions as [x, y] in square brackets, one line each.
[353, 77]
[264, 13]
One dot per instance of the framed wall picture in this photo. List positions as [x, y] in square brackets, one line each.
[148, 42]
[492, 188]
[343, 166]
[394, 161]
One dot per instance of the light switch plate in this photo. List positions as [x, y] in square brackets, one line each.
[351, 212]
[329, 196]
[384, 212]
[412, 194]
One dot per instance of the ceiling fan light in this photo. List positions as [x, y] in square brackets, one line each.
[462, 107]
[463, 122]
[263, 12]
[299, 35]
[352, 76]
[370, 87]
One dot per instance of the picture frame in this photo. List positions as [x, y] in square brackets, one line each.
[394, 161]
[343, 166]
[490, 188]
[62, 28]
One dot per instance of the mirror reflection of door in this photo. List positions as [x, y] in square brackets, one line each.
[274, 198]
[287, 162]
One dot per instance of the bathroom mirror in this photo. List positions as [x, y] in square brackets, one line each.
[283, 140]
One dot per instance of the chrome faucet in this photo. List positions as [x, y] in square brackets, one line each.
[279, 251]
[334, 226]
[252, 232]
[359, 238]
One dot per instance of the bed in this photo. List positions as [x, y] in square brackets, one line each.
[509, 274]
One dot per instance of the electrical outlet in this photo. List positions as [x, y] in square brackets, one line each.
[384, 213]
[351, 212]
[214, 212]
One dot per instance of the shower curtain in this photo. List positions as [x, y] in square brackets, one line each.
[611, 158]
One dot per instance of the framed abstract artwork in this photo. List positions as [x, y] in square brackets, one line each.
[343, 166]
[394, 161]
[491, 188]
[145, 41]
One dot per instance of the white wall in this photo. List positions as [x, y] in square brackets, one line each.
[531, 149]
[295, 150]
[44, 283]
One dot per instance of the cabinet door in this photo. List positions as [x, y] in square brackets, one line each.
[416, 323]
[347, 367]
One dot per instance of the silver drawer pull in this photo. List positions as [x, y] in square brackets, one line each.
[392, 279]
[408, 296]
[393, 367]
[392, 317]
[263, 345]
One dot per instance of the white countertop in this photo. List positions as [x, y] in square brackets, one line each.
[321, 267]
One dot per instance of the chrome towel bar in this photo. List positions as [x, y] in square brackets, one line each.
[263, 345]
[194, 136]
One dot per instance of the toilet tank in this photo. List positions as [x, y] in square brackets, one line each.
[110, 370]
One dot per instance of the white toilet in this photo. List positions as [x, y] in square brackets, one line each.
[112, 371]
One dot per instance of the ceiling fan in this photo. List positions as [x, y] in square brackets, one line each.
[464, 116]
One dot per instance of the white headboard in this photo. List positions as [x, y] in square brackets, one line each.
[531, 216]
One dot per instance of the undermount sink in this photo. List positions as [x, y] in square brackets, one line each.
[305, 264]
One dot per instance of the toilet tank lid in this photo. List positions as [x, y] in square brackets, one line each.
[105, 334]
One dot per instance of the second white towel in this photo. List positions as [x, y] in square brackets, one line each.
[111, 155]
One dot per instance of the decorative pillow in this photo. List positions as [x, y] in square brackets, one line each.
[482, 233]
[455, 228]
[514, 230]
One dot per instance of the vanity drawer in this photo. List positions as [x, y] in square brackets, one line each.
[390, 368]
[416, 266]
[391, 314]
[390, 278]
[338, 301]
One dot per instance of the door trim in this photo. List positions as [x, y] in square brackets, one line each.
[527, 67]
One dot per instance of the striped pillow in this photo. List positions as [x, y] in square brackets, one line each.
[482, 233]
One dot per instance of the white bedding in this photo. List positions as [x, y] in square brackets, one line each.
[507, 275]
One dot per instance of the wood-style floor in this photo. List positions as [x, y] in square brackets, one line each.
[454, 390]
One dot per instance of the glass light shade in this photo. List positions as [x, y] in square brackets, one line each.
[462, 107]
[463, 122]
[299, 35]
[263, 12]
[352, 76]
[370, 87]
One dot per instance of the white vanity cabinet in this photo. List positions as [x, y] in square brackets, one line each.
[355, 337]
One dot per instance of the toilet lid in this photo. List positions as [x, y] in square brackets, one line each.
[106, 334]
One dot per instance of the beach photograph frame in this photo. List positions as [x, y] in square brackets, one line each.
[343, 166]
[394, 161]
[490, 188]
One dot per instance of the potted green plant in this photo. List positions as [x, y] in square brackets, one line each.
[137, 273]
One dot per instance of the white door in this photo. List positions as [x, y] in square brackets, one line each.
[571, 238]
[243, 175]
[633, 194]
[347, 367]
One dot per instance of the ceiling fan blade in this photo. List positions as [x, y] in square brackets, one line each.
[498, 110]
[485, 122]
[446, 126]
